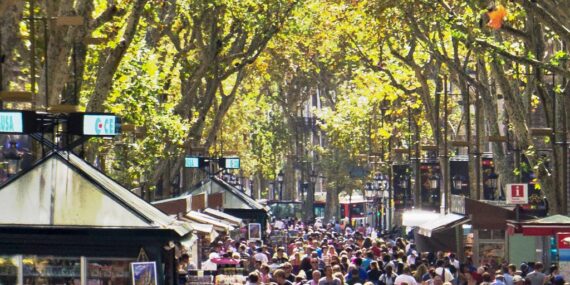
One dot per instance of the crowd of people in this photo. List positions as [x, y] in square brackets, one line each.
[334, 254]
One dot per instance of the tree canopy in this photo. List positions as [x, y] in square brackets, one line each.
[303, 86]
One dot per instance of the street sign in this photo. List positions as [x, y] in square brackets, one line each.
[517, 193]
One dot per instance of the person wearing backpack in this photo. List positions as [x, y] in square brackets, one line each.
[388, 277]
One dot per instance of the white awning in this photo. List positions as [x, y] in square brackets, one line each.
[443, 221]
[235, 221]
[205, 219]
[415, 218]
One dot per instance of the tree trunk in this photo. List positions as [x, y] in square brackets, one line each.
[10, 41]
[332, 205]
[106, 73]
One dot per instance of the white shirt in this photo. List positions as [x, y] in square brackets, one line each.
[411, 259]
[405, 278]
[455, 263]
[260, 256]
[279, 224]
[448, 276]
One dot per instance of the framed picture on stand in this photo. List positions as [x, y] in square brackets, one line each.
[254, 231]
[144, 273]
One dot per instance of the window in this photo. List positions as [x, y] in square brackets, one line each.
[40, 270]
[8, 269]
[108, 271]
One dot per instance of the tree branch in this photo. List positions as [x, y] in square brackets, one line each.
[106, 16]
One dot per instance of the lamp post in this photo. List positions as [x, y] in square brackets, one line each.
[403, 183]
[13, 158]
[382, 189]
[491, 184]
[311, 194]
[434, 187]
[280, 180]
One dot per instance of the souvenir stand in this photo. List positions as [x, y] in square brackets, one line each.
[65, 222]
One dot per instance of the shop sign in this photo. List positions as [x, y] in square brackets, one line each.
[517, 193]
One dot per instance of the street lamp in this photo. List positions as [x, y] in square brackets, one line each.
[382, 191]
[434, 182]
[457, 182]
[280, 180]
[403, 182]
[13, 157]
[309, 202]
[313, 177]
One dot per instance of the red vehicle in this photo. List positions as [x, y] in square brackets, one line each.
[355, 209]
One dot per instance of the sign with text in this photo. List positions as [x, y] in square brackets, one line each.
[18, 122]
[93, 124]
[11, 122]
[517, 193]
[230, 163]
[100, 125]
[192, 162]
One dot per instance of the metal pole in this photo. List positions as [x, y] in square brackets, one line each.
[446, 190]
[389, 209]
[417, 184]
[46, 66]
[33, 52]
[467, 108]
[408, 177]
[477, 153]
[564, 145]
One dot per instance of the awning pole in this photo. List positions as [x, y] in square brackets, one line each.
[459, 242]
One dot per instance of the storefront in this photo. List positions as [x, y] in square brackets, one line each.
[64, 222]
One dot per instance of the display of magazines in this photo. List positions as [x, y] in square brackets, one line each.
[200, 277]
[200, 280]
[230, 279]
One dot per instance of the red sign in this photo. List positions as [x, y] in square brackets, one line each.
[517, 193]
[563, 240]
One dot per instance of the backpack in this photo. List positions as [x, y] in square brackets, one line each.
[384, 277]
